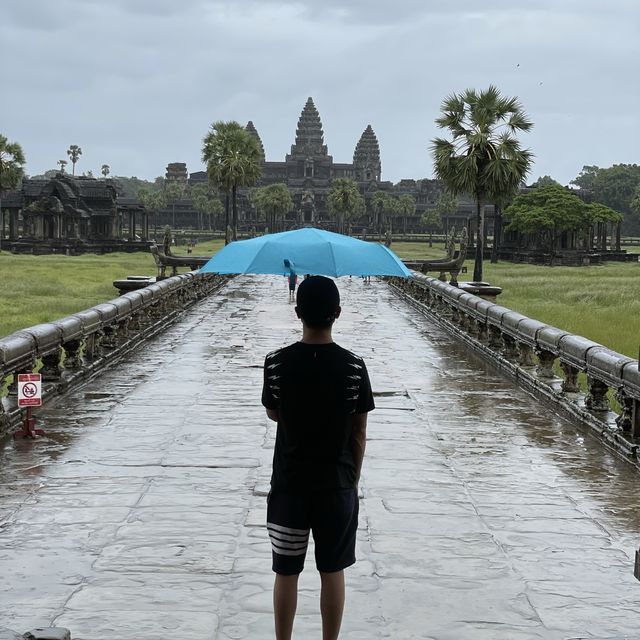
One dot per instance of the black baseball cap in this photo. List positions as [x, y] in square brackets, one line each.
[317, 301]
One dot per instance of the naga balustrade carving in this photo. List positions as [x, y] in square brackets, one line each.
[533, 352]
[69, 349]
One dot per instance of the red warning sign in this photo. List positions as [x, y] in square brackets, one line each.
[29, 389]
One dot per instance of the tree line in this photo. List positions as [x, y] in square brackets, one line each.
[481, 157]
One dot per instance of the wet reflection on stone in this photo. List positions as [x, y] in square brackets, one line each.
[483, 515]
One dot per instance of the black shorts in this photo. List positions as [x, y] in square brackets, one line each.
[331, 515]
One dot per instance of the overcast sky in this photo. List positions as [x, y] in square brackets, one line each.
[136, 83]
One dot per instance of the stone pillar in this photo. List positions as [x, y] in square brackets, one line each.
[618, 230]
[495, 338]
[525, 355]
[629, 419]
[596, 398]
[132, 225]
[570, 382]
[13, 224]
[510, 349]
[51, 366]
[145, 225]
[545, 363]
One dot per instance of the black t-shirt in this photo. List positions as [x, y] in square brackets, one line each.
[316, 389]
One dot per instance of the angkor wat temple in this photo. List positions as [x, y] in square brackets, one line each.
[309, 169]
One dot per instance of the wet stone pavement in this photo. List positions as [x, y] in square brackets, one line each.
[483, 516]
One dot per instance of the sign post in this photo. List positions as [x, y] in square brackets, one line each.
[29, 396]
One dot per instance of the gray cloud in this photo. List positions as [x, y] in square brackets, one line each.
[137, 82]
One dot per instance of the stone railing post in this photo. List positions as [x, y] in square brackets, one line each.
[51, 369]
[596, 398]
[525, 355]
[570, 380]
[510, 349]
[545, 364]
[495, 338]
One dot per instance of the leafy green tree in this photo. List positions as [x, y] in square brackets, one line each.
[172, 193]
[552, 209]
[105, 170]
[153, 201]
[446, 205]
[615, 186]
[12, 163]
[635, 203]
[406, 208]
[274, 202]
[432, 220]
[544, 181]
[129, 187]
[586, 177]
[206, 203]
[483, 157]
[74, 152]
[233, 160]
[378, 204]
[385, 208]
[344, 201]
[62, 164]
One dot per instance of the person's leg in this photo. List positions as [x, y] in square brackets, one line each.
[331, 603]
[285, 600]
[288, 528]
[334, 525]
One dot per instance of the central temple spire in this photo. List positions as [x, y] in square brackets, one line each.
[309, 135]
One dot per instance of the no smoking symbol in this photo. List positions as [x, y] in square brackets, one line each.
[29, 390]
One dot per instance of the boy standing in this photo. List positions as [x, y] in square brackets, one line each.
[319, 394]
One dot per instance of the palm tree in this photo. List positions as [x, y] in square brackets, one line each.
[446, 205]
[233, 160]
[152, 200]
[385, 207]
[205, 203]
[12, 162]
[378, 204]
[406, 208]
[62, 164]
[105, 170]
[344, 201]
[484, 157]
[172, 193]
[74, 152]
[274, 201]
[432, 221]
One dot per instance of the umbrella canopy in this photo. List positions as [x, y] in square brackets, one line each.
[308, 250]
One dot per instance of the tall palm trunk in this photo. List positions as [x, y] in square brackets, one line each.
[497, 232]
[477, 268]
[226, 220]
[234, 200]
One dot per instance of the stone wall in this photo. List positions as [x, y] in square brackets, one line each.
[527, 350]
[71, 350]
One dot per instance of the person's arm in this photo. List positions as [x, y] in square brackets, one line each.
[358, 441]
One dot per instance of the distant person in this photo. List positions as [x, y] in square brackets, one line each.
[319, 394]
[292, 279]
[189, 248]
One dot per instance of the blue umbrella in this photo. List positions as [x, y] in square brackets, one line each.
[308, 250]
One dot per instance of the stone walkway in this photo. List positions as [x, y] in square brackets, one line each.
[483, 516]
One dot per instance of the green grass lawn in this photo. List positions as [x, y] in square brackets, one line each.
[35, 289]
[599, 302]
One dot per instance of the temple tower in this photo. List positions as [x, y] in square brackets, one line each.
[366, 157]
[254, 132]
[309, 134]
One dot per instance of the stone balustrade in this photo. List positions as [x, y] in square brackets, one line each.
[529, 350]
[75, 347]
